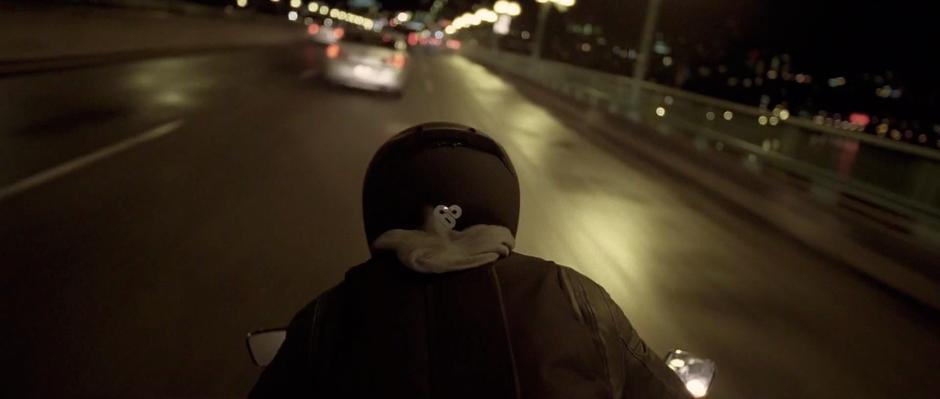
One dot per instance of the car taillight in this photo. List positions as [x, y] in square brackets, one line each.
[338, 33]
[313, 29]
[397, 61]
[332, 51]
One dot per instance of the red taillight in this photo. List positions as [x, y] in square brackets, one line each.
[332, 51]
[397, 61]
[313, 29]
[453, 44]
[338, 33]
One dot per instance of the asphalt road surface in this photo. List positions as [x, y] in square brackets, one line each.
[152, 213]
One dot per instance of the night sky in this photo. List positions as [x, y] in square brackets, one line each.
[830, 37]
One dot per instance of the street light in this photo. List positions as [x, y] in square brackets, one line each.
[510, 8]
[558, 3]
[471, 19]
[501, 10]
[561, 5]
[505, 10]
[486, 15]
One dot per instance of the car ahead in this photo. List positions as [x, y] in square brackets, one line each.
[325, 34]
[368, 60]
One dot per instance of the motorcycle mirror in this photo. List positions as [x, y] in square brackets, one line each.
[264, 344]
[695, 372]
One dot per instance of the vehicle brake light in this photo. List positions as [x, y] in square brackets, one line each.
[313, 29]
[397, 61]
[453, 44]
[332, 51]
[338, 33]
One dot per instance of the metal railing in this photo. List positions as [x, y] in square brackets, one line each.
[895, 176]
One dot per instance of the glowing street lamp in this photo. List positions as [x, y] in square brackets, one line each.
[558, 3]
[486, 15]
[506, 10]
[468, 19]
[500, 15]
[510, 8]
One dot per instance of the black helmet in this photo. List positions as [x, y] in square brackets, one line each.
[439, 164]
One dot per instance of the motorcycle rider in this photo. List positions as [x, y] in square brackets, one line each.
[445, 309]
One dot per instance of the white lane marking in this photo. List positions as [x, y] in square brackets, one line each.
[88, 159]
[308, 73]
[429, 86]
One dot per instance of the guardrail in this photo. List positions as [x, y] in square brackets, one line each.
[901, 178]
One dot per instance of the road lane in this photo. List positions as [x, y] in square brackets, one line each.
[48, 118]
[100, 154]
[140, 274]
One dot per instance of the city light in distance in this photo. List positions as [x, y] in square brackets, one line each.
[837, 82]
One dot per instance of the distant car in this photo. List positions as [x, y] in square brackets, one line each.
[368, 60]
[325, 34]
